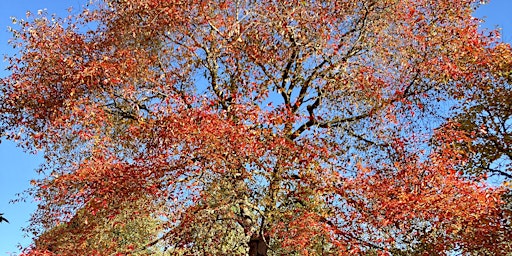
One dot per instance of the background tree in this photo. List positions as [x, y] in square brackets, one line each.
[2, 218]
[257, 127]
[484, 119]
[103, 232]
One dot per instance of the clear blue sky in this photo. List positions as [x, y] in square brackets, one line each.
[17, 167]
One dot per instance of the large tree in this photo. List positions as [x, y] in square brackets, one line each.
[256, 127]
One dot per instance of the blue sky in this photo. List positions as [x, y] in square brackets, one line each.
[17, 167]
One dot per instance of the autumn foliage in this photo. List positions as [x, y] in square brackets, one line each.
[259, 127]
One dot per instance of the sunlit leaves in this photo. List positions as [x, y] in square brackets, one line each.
[271, 127]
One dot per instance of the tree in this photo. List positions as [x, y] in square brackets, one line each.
[484, 120]
[2, 218]
[102, 232]
[256, 127]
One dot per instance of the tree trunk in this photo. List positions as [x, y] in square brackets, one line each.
[257, 246]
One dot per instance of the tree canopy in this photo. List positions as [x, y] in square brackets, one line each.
[263, 127]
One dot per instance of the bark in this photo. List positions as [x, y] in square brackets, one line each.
[258, 246]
